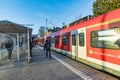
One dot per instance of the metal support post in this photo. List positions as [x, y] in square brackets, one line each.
[18, 53]
[28, 45]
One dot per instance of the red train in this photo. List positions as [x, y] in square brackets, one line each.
[95, 42]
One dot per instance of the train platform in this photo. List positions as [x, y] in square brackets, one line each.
[59, 67]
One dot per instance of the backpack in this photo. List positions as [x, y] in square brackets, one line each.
[47, 46]
[7, 45]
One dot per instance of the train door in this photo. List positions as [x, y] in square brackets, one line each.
[81, 43]
[73, 43]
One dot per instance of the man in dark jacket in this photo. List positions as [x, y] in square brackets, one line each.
[31, 46]
[9, 47]
[47, 48]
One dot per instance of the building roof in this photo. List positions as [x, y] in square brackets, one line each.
[11, 27]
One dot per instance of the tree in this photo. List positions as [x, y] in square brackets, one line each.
[103, 6]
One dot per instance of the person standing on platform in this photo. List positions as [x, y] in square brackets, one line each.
[9, 47]
[47, 48]
[31, 46]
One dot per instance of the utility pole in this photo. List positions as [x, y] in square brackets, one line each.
[46, 26]
[46, 23]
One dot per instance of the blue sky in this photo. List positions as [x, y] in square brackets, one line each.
[36, 11]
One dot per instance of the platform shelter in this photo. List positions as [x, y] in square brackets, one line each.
[20, 36]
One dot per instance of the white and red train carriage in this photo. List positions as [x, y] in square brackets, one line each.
[95, 42]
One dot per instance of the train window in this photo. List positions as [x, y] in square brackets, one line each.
[65, 39]
[52, 40]
[106, 38]
[81, 39]
[73, 39]
[57, 39]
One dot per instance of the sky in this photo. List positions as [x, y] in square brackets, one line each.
[37, 11]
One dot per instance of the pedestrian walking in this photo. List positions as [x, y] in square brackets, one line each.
[9, 47]
[31, 46]
[47, 48]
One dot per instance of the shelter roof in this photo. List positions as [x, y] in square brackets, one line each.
[11, 27]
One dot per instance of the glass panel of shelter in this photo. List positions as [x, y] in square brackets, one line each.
[10, 43]
[23, 46]
[7, 47]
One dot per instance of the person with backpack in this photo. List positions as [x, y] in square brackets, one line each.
[47, 48]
